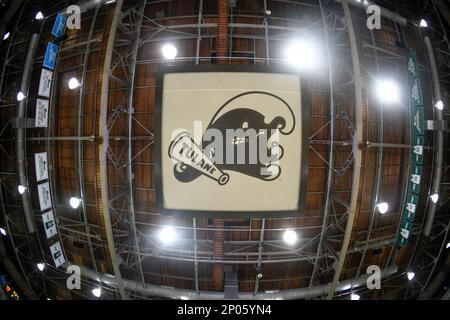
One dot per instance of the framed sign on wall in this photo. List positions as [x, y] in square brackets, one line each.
[231, 141]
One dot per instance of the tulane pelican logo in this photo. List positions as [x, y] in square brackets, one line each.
[243, 136]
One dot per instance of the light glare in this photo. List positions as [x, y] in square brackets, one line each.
[41, 266]
[39, 16]
[167, 235]
[423, 23]
[302, 54]
[97, 292]
[73, 83]
[6, 35]
[3, 231]
[21, 189]
[411, 275]
[388, 91]
[169, 51]
[290, 236]
[20, 96]
[439, 105]
[355, 296]
[434, 197]
[75, 202]
[383, 207]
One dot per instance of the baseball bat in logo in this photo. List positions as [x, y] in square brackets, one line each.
[188, 154]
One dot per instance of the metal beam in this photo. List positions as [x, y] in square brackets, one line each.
[328, 196]
[103, 147]
[357, 154]
[173, 293]
[439, 148]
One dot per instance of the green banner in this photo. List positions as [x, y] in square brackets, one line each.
[409, 212]
[415, 178]
[418, 122]
[417, 149]
[413, 71]
[415, 92]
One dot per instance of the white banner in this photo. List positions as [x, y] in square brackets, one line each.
[49, 222]
[41, 165]
[46, 83]
[45, 198]
[57, 254]
[41, 120]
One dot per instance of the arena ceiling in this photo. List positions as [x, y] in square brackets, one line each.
[86, 149]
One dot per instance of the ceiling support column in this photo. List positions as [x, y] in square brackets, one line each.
[357, 154]
[103, 148]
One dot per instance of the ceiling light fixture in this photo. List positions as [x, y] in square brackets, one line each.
[21, 189]
[434, 197]
[97, 292]
[302, 54]
[75, 202]
[169, 51]
[167, 235]
[73, 83]
[39, 16]
[20, 96]
[383, 207]
[423, 23]
[439, 105]
[290, 236]
[355, 296]
[388, 91]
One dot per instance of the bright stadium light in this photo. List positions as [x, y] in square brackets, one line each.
[355, 296]
[3, 231]
[39, 16]
[169, 51]
[6, 35]
[75, 202]
[302, 54]
[410, 275]
[434, 197]
[41, 266]
[21, 189]
[388, 91]
[97, 292]
[167, 235]
[20, 96]
[290, 236]
[447, 246]
[383, 207]
[73, 83]
[423, 23]
[439, 105]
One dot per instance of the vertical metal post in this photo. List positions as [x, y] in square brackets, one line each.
[103, 147]
[331, 151]
[356, 149]
[439, 149]
[199, 31]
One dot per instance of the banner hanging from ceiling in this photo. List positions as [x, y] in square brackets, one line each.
[417, 150]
